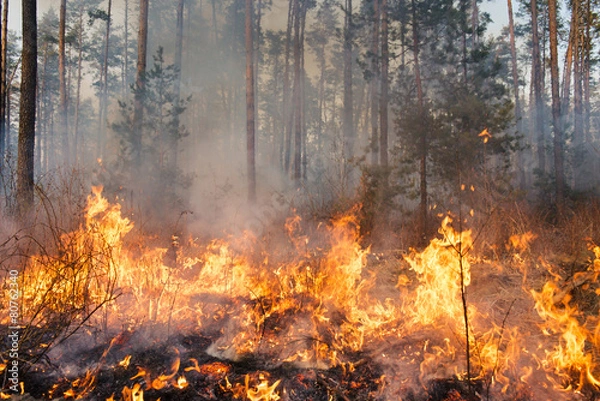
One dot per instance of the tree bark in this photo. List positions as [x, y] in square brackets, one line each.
[41, 122]
[138, 105]
[538, 119]
[214, 21]
[586, 69]
[566, 86]
[423, 151]
[25, 164]
[63, 105]
[579, 60]
[104, 97]
[577, 81]
[297, 171]
[288, 113]
[76, 155]
[383, 100]
[375, 84]
[8, 106]
[256, 57]
[250, 124]
[515, 80]
[173, 141]
[556, 115]
[347, 123]
[302, 109]
[125, 75]
[322, 62]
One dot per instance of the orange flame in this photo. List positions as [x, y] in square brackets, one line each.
[125, 362]
[133, 394]
[442, 269]
[262, 391]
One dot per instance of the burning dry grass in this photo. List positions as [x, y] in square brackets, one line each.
[318, 316]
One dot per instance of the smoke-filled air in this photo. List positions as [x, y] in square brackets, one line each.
[299, 200]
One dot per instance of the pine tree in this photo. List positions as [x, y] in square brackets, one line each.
[25, 167]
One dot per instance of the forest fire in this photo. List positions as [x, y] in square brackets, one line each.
[321, 317]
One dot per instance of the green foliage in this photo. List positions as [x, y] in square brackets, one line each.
[464, 126]
[377, 196]
[162, 131]
[97, 14]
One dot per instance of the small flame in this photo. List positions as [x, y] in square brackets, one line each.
[125, 362]
[485, 135]
[161, 381]
[520, 242]
[181, 382]
[133, 394]
[81, 386]
[262, 391]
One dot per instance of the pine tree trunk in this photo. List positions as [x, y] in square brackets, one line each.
[63, 113]
[556, 115]
[173, 141]
[475, 21]
[214, 21]
[423, 151]
[256, 57]
[577, 78]
[578, 114]
[25, 164]
[41, 132]
[8, 114]
[321, 60]
[538, 119]
[375, 84]
[104, 97]
[587, 48]
[138, 112]
[288, 113]
[566, 86]
[125, 75]
[77, 156]
[515, 80]
[250, 125]
[347, 123]
[302, 109]
[383, 100]
[297, 171]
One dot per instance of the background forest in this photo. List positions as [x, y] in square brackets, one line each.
[408, 107]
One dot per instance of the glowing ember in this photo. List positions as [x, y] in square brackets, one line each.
[214, 369]
[181, 382]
